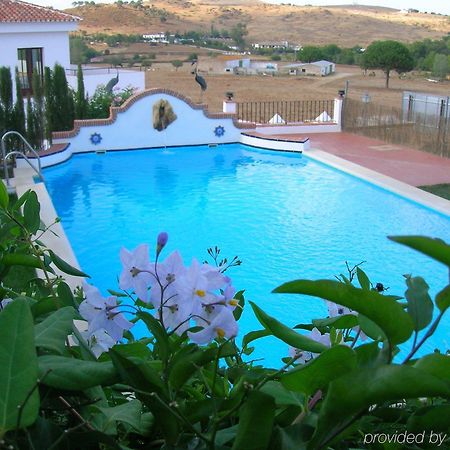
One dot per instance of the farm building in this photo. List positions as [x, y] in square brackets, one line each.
[319, 68]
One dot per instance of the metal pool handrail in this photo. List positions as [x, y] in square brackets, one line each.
[20, 153]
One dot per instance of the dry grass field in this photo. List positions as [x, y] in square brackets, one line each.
[268, 88]
[345, 26]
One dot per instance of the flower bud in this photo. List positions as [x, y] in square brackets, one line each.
[161, 241]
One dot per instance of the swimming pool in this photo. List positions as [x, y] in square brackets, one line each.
[285, 215]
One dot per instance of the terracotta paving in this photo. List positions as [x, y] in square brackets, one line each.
[411, 166]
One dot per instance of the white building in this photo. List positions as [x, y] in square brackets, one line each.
[33, 37]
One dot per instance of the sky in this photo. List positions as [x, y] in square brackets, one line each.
[437, 6]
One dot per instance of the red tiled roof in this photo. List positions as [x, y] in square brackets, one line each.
[17, 11]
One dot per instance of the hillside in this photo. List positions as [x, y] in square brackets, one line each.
[346, 26]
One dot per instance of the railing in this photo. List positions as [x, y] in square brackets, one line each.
[284, 112]
[22, 154]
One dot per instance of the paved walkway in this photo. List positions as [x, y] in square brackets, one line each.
[411, 166]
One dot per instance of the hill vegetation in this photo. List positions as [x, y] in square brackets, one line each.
[345, 26]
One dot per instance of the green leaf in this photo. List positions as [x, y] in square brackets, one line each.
[190, 358]
[281, 395]
[256, 419]
[18, 363]
[319, 372]
[370, 328]
[381, 309]
[253, 335]
[435, 364]
[420, 305]
[434, 248]
[141, 374]
[354, 392]
[4, 197]
[287, 334]
[75, 374]
[443, 299]
[339, 322]
[51, 333]
[31, 211]
[65, 294]
[129, 413]
[19, 259]
[157, 330]
[240, 307]
[363, 279]
[65, 267]
[430, 418]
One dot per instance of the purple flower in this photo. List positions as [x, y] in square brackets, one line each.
[161, 241]
[137, 271]
[103, 313]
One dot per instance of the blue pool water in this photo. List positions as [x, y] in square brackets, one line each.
[285, 215]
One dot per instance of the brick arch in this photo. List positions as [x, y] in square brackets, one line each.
[115, 110]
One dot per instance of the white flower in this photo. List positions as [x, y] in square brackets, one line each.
[223, 325]
[169, 272]
[335, 310]
[306, 356]
[5, 302]
[137, 272]
[99, 341]
[196, 286]
[102, 313]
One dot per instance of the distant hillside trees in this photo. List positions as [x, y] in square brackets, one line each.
[238, 33]
[330, 52]
[80, 52]
[388, 56]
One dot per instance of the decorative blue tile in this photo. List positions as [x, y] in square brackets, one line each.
[219, 131]
[96, 138]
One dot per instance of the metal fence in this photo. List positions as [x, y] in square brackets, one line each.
[283, 112]
[394, 125]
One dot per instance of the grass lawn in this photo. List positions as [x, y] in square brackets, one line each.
[442, 190]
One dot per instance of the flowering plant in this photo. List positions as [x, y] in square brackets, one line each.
[74, 376]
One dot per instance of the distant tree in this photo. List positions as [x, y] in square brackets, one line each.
[18, 116]
[331, 52]
[192, 57]
[49, 99]
[310, 53]
[80, 96]
[387, 56]
[38, 110]
[177, 64]
[238, 33]
[32, 126]
[440, 66]
[63, 111]
[275, 58]
[6, 97]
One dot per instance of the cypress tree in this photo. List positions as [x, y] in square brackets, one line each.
[19, 110]
[62, 119]
[6, 100]
[49, 104]
[6, 97]
[38, 109]
[80, 99]
[31, 135]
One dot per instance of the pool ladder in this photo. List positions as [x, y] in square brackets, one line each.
[22, 154]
